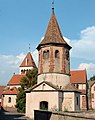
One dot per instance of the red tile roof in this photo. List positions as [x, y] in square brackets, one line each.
[90, 83]
[1, 90]
[53, 33]
[15, 80]
[12, 91]
[28, 61]
[78, 76]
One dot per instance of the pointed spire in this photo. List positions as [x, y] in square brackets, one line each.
[28, 61]
[53, 34]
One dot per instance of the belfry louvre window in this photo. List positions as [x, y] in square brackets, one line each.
[56, 54]
[46, 54]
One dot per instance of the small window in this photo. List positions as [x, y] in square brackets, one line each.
[44, 105]
[9, 100]
[56, 54]
[67, 54]
[46, 54]
[77, 100]
[77, 86]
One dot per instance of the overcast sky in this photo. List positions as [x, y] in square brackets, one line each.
[25, 21]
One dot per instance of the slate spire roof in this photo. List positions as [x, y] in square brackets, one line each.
[28, 61]
[53, 34]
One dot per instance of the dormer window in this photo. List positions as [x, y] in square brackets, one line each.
[56, 54]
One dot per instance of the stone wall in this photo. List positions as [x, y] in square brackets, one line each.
[47, 115]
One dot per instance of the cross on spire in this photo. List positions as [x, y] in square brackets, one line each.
[53, 4]
[29, 46]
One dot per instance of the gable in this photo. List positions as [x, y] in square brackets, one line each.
[44, 86]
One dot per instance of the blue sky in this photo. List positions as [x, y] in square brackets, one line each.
[25, 21]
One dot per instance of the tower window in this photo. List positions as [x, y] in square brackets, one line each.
[77, 100]
[67, 54]
[46, 54]
[56, 54]
[9, 100]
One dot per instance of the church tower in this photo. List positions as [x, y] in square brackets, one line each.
[54, 58]
[27, 64]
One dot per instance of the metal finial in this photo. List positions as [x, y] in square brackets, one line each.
[29, 46]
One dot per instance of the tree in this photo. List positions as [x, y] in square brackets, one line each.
[28, 81]
[92, 78]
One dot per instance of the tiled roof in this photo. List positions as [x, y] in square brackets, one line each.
[48, 83]
[12, 91]
[15, 80]
[28, 61]
[70, 87]
[90, 83]
[78, 76]
[53, 33]
[1, 90]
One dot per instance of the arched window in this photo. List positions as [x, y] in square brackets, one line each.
[56, 54]
[44, 105]
[46, 54]
[9, 100]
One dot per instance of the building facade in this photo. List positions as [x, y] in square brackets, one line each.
[10, 92]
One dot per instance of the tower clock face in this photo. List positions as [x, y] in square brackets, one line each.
[67, 54]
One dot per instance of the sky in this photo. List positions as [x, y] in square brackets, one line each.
[24, 22]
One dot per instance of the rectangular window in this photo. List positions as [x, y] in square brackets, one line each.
[9, 100]
[77, 101]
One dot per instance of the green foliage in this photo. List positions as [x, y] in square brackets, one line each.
[28, 81]
[20, 101]
[92, 78]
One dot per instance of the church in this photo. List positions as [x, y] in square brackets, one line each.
[58, 88]
[53, 90]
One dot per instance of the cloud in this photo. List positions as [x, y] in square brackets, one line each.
[10, 60]
[90, 67]
[84, 47]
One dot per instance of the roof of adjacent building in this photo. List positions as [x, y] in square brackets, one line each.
[1, 90]
[69, 88]
[90, 83]
[28, 61]
[78, 76]
[10, 91]
[53, 34]
[15, 80]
